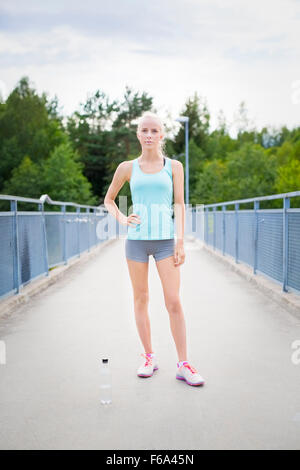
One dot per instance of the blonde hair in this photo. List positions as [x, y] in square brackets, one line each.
[149, 114]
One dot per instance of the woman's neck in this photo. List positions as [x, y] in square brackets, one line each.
[151, 155]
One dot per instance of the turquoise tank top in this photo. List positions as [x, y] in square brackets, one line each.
[152, 195]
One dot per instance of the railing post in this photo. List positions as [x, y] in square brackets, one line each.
[236, 231]
[118, 224]
[223, 229]
[88, 217]
[206, 225]
[78, 230]
[256, 208]
[44, 235]
[16, 258]
[64, 243]
[285, 247]
[202, 223]
[94, 224]
[214, 219]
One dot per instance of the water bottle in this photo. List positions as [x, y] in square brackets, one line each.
[105, 383]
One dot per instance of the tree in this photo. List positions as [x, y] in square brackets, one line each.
[211, 183]
[196, 165]
[289, 177]
[246, 131]
[251, 172]
[132, 107]
[196, 109]
[104, 133]
[28, 126]
[245, 173]
[60, 176]
[25, 181]
[63, 179]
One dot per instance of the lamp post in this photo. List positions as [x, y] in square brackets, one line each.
[185, 119]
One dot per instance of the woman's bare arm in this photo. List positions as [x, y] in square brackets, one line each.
[179, 206]
[119, 178]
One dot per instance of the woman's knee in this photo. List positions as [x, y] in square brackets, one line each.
[173, 304]
[141, 297]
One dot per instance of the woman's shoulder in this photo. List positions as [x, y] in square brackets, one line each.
[127, 168]
[176, 165]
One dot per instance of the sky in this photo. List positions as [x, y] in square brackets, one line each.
[227, 51]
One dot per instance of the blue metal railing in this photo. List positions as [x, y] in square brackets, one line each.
[32, 242]
[268, 240]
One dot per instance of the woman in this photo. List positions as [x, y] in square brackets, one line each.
[154, 178]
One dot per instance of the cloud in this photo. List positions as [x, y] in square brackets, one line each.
[229, 51]
[168, 28]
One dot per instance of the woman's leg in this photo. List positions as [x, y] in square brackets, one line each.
[138, 272]
[170, 279]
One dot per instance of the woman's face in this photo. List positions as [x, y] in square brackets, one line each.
[149, 133]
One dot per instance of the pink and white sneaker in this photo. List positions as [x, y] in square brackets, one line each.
[149, 366]
[189, 374]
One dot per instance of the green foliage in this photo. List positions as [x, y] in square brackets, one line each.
[251, 172]
[63, 178]
[27, 127]
[211, 183]
[196, 164]
[60, 176]
[196, 109]
[26, 180]
[244, 173]
[104, 134]
[76, 161]
[11, 156]
[219, 144]
[289, 177]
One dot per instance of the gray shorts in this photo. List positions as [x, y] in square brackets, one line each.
[139, 250]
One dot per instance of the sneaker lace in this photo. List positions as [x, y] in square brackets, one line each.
[148, 360]
[192, 369]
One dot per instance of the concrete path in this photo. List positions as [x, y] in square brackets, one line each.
[240, 341]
